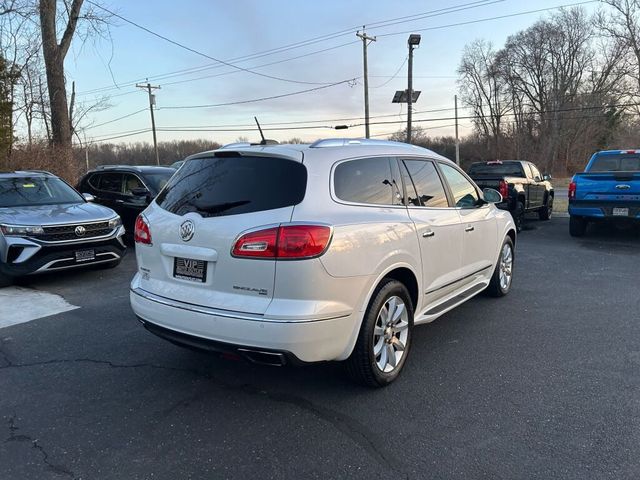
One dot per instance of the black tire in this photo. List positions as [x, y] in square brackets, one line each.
[577, 226]
[496, 287]
[362, 364]
[518, 216]
[5, 280]
[545, 212]
[108, 265]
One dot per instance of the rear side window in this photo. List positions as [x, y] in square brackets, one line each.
[424, 187]
[111, 182]
[231, 185]
[366, 180]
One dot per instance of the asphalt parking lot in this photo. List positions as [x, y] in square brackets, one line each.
[544, 383]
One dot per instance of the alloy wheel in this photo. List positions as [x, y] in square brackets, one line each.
[390, 334]
[506, 267]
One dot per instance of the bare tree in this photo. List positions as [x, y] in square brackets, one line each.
[484, 90]
[54, 53]
[621, 22]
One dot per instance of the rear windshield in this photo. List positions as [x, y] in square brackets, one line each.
[616, 163]
[505, 169]
[218, 186]
[30, 191]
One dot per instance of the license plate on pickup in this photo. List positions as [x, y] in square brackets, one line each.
[85, 255]
[190, 269]
[620, 212]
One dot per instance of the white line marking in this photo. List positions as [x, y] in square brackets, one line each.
[20, 305]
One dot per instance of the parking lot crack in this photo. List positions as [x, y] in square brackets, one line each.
[14, 436]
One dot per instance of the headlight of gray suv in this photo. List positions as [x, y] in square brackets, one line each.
[115, 222]
[21, 230]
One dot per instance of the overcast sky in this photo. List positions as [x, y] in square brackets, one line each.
[229, 30]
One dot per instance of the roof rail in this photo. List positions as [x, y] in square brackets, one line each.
[235, 145]
[29, 170]
[343, 142]
[100, 167]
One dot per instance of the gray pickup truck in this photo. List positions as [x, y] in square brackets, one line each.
[46, 225]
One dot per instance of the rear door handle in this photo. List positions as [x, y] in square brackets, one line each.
[429, 234]
[469, 229]
[119, 201]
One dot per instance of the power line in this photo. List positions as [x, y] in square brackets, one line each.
[295, 45]
[117, 119]
[479, 20]
[197, 52]
[394, 75]
[261, 99]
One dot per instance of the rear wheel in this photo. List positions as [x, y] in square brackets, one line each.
[518, 216]
[385, 336]
[500, 283]
[545, 212]
[577, 226]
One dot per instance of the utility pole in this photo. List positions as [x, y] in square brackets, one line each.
[455, 100]
[365, 38]
[152, 101]
[413, 42]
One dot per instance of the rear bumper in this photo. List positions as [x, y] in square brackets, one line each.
[603, 210]
[300, 341]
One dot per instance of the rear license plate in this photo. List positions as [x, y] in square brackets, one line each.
[190, 269]
[620, 212]
[85, 255]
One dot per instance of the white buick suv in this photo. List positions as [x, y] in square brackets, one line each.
[308, 253]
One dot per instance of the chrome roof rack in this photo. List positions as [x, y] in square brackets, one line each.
[235, 145]
[343, 142]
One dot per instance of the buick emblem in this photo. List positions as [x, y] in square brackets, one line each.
[80, 231]
[187, 229]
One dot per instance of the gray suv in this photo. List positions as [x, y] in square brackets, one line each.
[46, 225]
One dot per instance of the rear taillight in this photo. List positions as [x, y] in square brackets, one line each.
[285, 241]
[142, 234]
[503, 188]
[572, 190]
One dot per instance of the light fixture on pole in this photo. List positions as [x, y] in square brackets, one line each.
[413, 42]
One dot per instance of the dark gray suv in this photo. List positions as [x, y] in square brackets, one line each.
[46, 225]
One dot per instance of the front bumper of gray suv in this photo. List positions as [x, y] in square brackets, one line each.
[25, 250]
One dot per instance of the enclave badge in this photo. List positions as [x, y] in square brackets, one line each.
[187, 229]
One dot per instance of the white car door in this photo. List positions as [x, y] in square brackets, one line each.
[478, 223]
[437, 227]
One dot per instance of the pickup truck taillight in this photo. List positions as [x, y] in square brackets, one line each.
[572, 190]
[284, 242]
[503, 188]
[141, 233]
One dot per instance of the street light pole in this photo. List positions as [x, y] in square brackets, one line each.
[414, 41]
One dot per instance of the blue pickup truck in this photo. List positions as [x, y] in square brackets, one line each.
[608, 189]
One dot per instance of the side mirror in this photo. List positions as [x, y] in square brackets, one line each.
[491, 196]
[546, 177]
[139, 192]
[88, 197]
